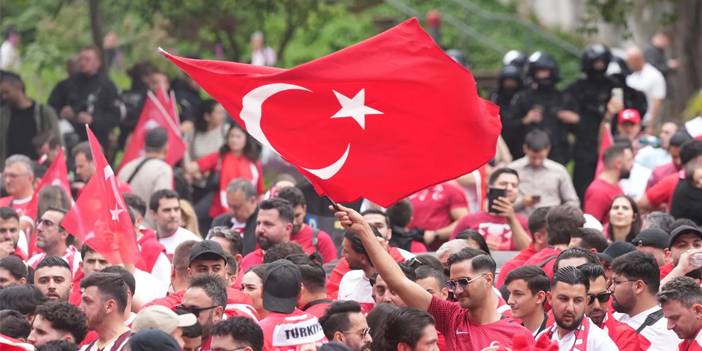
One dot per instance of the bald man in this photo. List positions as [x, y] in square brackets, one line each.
[650, 81]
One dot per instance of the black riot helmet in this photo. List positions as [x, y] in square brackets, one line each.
[540, 60]
[594, 53]
[515, 58]
[510, 72]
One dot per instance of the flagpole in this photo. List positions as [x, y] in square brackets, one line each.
[333, 203]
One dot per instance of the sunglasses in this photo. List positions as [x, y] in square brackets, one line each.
[194, 310]
[463, 283]
[601, 297]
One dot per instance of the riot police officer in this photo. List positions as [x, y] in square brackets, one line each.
[542, 106]
[591, 93]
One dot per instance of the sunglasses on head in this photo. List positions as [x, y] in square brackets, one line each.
[463, 283]
[601, 297]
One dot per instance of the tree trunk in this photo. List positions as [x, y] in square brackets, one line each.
[96, 24]
[287, 36]
[687, 48]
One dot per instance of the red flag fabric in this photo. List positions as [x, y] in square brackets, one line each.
[381, 119]
[159, 111]
[56, 174]
[10, 344]
[605, 142]
[99, 217]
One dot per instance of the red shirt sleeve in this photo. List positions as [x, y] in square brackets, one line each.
[209, 162]
[626, 338]
[456, 197]
[660, 193]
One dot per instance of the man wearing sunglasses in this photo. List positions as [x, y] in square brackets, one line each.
[598, 309]
[206, 298]
[635, 282]
[471, 324]
[54, 240]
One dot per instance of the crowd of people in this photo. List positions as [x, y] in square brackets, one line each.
[524, 253]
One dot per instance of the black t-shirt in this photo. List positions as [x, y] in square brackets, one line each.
[21, 130]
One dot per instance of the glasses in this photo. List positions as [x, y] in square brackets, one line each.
[363, 332]
[463, 283]
[601, 297]
[195, 310]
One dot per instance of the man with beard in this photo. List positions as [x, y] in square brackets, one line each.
[57, 321]
[206, 298]
[473, 323]
[274, 225]
[618, 161]
[53, 277]
[345, 323]
[164, 206]
[681, 299]
[104, 302]
[311, 239]
[597, 309]
[542, 106]
[685, 242]
[568, 299]
[635, 282]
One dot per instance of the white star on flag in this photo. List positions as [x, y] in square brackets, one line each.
[115, 213]
[355, 107]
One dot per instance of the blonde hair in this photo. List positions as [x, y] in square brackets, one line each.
[188, 218]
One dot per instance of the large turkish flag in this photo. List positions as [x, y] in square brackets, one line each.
[381, 119]
[99, 217]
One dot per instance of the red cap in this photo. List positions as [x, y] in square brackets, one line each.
[629, 115]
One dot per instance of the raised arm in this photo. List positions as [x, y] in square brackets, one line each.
[411, 293]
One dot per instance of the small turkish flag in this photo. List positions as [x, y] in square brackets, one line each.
[99, 217]
[381, 119]
[159, 111]
[56, 174]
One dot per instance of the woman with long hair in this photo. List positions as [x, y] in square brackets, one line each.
[210, 130]
[237, 158]
[624, 219]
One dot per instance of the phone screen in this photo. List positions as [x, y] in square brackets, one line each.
[494, 193]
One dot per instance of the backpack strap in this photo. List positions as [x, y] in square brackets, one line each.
[651, 319]
[138, 168]
[315, 239]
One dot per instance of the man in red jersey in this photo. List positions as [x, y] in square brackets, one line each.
[618, 161]
[681, 299]
[471, 324]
